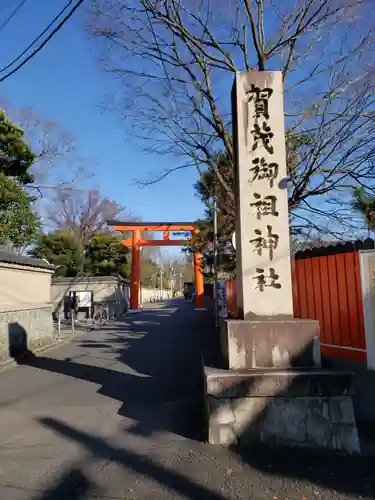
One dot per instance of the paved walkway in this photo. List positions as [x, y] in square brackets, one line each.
[116, 415]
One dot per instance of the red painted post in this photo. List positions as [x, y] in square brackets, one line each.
[136, 270]
[199, 283]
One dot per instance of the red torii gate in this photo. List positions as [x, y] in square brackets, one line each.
[136, 242]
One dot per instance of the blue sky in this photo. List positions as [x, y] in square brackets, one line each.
[65, 84]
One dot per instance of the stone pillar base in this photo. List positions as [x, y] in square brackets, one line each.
[304, 408]
[273, 342]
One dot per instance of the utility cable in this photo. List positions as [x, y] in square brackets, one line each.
[37, 38]
[12, 14]
[40, 47]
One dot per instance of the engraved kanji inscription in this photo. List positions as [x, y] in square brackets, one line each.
[262, 135]
[264, 205]
[263, 170]
[268, 241]
[269, 281]
[260, 97]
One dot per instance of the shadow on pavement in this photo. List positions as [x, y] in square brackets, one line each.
[285, 475]
[142, 465]
[72, 484]
[345, 475]
[166, 393]
[95, 345]
[164, 348]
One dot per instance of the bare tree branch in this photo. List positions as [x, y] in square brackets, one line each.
[177, 59]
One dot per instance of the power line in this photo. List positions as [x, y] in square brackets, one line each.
[38, 37]
[39, 48]
[12, 14]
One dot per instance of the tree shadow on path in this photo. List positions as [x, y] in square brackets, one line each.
[141, 465]
[158, 376]
[166, 394]
[279, 479]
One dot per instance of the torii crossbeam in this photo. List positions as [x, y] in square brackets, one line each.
[136, 242]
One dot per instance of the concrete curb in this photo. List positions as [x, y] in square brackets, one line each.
[11, 363]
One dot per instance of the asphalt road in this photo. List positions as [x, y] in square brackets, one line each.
[116, 414]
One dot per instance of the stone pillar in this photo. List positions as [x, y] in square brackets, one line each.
[266, 335]
[262, 232]
[273, 389]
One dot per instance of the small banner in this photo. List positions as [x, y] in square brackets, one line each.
[221, 297]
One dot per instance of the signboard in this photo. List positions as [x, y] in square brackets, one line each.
[84, 299]
[221, 297]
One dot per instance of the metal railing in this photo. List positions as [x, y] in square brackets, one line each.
[63, 328]
[100, 314]
[108, 311]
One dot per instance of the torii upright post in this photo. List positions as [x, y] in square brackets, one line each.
[136, 242]
[199, 283]
[136, 270]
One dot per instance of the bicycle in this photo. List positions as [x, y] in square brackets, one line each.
[107, 315]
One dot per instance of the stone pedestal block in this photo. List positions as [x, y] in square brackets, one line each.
[305, 408]
[273, 391]
[270, 343]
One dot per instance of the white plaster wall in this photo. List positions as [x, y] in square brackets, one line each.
[102, 290]
[146, 294]
[21, 285]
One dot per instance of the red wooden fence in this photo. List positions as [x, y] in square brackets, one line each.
[328, 289]
[232, 298]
